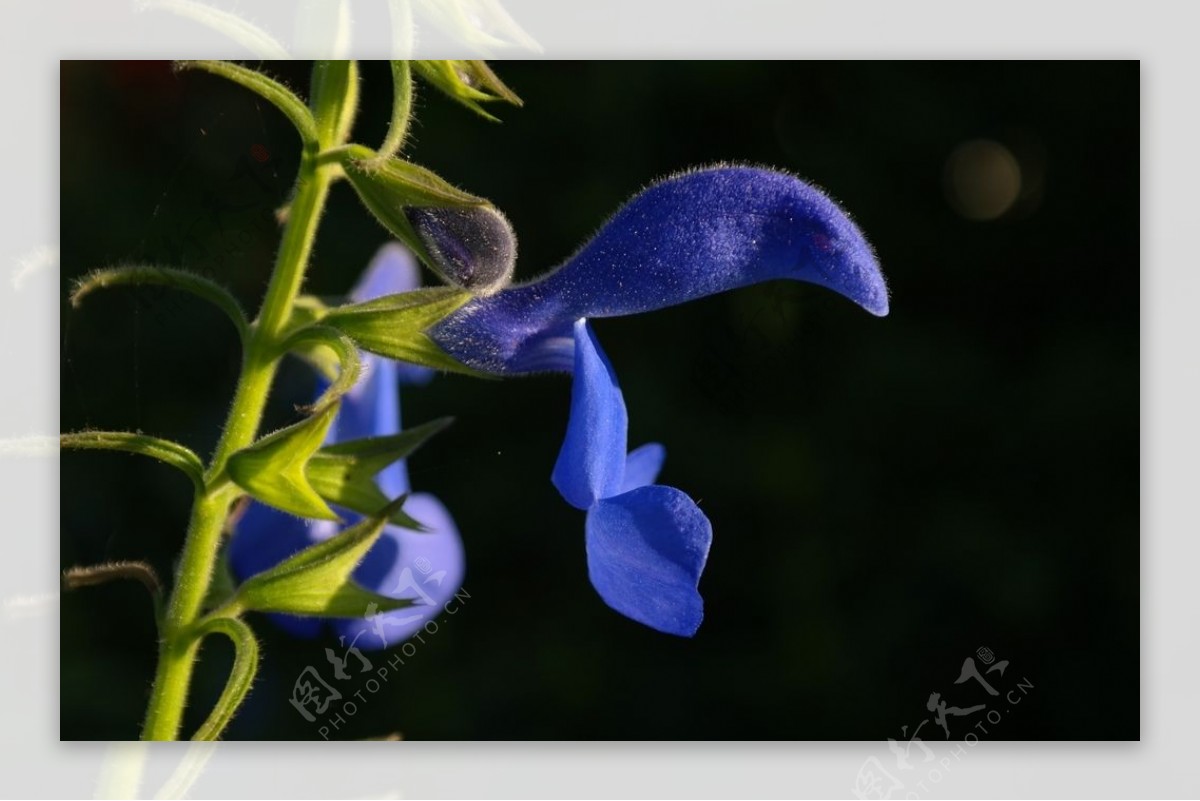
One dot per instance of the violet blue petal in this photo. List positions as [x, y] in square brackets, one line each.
[591, 463]
[646, 549]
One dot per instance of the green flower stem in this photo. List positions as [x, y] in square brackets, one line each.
[311, 191]
[180, 638]
[167, 700]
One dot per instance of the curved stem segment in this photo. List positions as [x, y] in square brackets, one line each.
[140, 275]
[270, 90]
[165, 451]
[245, 665]
[402, 101]
[180, 637]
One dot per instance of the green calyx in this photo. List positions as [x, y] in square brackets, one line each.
[316, 581]
[395, 326]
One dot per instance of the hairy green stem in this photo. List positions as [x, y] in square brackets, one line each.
[312, 189]
[180, 638]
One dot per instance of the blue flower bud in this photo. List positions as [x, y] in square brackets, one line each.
[474, 246]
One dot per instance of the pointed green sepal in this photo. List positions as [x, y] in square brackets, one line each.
[269, 89]
[394, 181]
[142, 275]
[469, 83]
[171, 453]
[359, 495]
[389, 187]
[317, 581]
[369, 455]
[272, 470]
[343, 473]
[394, 326]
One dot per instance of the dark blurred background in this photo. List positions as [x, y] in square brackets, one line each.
[887, 495]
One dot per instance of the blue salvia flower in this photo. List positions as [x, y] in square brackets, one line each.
[692, 235]
[426, 566]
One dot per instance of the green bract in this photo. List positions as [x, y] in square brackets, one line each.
[395, 183]
[273, 469]
[344, 473]
[468, 82]
[394, 326]
[290, 471]
[317, 581]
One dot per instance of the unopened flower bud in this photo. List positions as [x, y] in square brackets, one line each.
[473, 247]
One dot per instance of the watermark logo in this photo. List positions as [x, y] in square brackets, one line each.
[311, 690]
[329, 695]
[915, 775]
[340, 663]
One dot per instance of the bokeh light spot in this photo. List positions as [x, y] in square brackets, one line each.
[983, 179]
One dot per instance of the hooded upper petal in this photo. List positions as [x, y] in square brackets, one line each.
[689, 236]
[591, 463]
[646, 549]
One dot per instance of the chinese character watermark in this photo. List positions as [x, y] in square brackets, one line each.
[354, 675]
[964, 723]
